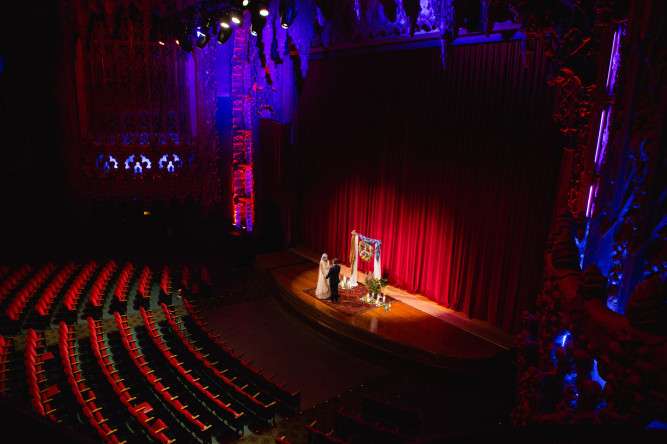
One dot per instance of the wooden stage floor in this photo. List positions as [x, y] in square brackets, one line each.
[432, 336]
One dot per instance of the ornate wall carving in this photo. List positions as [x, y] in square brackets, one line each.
[574, 36]
[242, 107]
[625, 257]
[262, 86]
[557, 380]
[136, 128]
[627, 228]
[359, 21]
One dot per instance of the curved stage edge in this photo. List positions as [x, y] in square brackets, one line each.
[404, 336]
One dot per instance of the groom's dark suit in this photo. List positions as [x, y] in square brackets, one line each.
[334, 279]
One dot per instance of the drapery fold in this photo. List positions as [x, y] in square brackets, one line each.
[454, 171]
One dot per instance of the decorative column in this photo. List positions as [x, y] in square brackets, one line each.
[242, 105]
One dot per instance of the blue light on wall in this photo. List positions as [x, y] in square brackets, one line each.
[136, 164]
[562, 340]
[105, 164]
[170, 162]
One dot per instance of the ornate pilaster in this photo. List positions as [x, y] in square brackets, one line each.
[242, 105]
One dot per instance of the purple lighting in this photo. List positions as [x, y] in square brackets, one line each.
[613, 62]
[605, 120]
[588, 205]
[599, 142]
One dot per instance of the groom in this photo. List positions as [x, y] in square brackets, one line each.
[334, 278]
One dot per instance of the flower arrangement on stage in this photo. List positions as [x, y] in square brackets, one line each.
[375, 295]
[374, 285]
[379, 301]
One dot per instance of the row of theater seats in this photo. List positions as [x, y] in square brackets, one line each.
[40, 388]
[199, 394]
[192, 402]
[262, 410]
[73, 294]
[84, 395]
[17, 305]
[202, 337]
[50, 293]
[5, 350]
[378, 422]
[97, 292]
[225, 409]
[30, 298]
[123, 282]
[200, 426]
[186, 277]
[193, 378]
[11, 280]
[144, 285]
[155, 427]
[165, 280]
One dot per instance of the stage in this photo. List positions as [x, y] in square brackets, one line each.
[414, 330]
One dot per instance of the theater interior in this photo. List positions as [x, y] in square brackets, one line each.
[491, 175]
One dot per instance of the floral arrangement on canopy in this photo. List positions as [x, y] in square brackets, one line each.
[366, 251]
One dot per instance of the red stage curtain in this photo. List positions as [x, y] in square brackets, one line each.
[455, 171]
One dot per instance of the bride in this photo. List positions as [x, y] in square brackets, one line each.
[323, 291]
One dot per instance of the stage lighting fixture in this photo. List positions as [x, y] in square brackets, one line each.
[263, 8]
[287, 11]
[203, 37]
[224, 34]
[257, 23]
[223, 19]
[245, 3]
[237, 17]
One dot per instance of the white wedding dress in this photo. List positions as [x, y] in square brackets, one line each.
[323, 291]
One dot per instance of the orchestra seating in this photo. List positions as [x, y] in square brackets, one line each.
[161, 378]
[202, 337]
